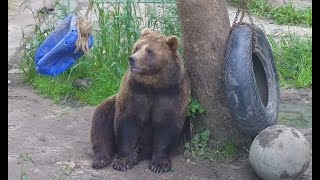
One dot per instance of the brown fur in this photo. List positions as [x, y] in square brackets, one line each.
[147, 116]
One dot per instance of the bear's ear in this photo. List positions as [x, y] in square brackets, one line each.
[173, 43]
[145, 32]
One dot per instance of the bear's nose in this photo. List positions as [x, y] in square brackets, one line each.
[131, 61]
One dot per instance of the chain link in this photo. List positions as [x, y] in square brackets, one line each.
[243, 9]
[236, 18]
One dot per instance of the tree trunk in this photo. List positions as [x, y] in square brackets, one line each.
[205, 29]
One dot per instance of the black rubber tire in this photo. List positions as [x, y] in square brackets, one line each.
[251, 80]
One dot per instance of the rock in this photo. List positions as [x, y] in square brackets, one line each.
[14, 71]
[82, 83]
[280, 152]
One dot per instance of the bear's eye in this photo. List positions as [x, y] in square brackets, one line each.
[149, 52]
[136, 49]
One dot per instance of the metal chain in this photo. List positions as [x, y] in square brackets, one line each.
[243, 9]
[235, 18]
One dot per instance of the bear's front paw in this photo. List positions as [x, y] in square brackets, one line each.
[122, 164]
[160, 165]
[100, 161]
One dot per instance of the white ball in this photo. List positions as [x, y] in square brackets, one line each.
[280, 152]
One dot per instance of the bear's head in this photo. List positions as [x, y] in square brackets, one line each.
[155, 59]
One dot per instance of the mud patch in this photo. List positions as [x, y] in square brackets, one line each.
[304, 168]
[296, 96]
[295, 134]
[280, 146]
[266, 137]
[293, 119]
[284, 175]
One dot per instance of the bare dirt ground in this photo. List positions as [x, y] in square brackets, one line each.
[50, 141]
[56, 140]
[295, 3]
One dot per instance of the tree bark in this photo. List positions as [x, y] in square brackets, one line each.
[205, 30]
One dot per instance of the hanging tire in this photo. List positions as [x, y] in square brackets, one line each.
[251, 79]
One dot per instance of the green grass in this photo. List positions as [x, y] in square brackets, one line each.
[293, 56]
[287, 15]
[198, 148]
[195, 109]
[115, 32]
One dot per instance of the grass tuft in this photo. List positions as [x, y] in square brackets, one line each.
[293, 56]
[198, 148]
[288, 15]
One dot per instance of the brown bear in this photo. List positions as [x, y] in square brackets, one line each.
[146, 119]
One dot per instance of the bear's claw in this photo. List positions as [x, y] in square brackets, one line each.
[160, 165]
[122, 164]
[100, 161]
